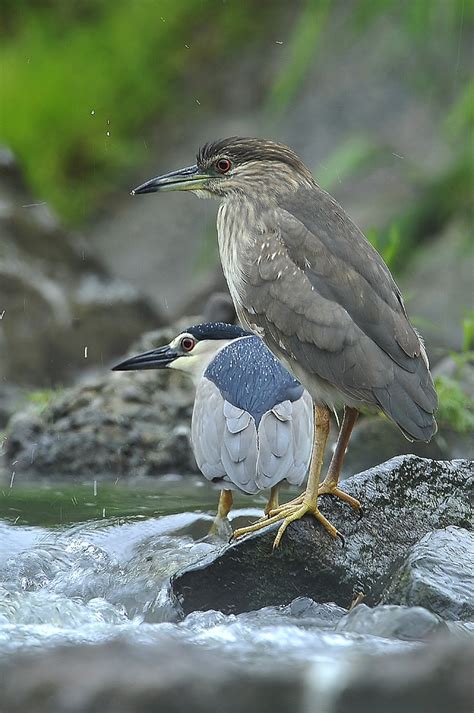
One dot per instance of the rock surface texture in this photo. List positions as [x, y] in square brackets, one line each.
[439, 574]
[169, 677]
[119, 424]
[403, 500]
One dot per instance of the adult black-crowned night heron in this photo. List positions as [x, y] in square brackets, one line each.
[252, 422]
[303, 276]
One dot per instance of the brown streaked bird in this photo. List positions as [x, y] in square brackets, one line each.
[303, 276]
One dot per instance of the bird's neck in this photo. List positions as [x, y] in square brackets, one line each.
[196, 363]
[238, 224]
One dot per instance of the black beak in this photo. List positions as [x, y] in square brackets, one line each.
[186, 179]
[154, 359]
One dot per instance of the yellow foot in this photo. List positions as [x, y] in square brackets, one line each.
[289, 513]
[276, 511]
[328, 489]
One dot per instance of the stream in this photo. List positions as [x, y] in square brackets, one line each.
[88, 562]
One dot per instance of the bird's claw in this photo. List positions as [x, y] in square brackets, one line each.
[288, 513]
[332, 489]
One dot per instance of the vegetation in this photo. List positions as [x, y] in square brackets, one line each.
[80, 79]
[456, 408]
[42, 398]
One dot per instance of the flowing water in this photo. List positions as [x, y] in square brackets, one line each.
[90, 562]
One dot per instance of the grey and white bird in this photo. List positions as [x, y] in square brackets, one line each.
[252, 421]
[303, 276]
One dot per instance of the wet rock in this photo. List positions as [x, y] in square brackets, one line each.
[394, 622]
[438, 574]
[119, 677]
[132, 424]
[403, 500]
[427, 680]
[326, 614]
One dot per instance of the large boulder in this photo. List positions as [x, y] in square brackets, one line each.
[402, 500]
[438, 573]
[132, 424]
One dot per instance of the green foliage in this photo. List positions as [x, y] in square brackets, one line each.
[468, 332]
[302, 47]
[42, 398]
[456, 408]
[460, 119]
[346, 160]
[80, 79]
[418, 17]
[387, 243]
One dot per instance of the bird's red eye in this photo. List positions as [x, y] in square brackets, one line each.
[187, 343]
[223, 165]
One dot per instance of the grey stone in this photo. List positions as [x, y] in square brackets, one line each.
[132, 424]
[433, 679]
[402, 500]
[122, 678]
[406, 623]
[170, 677]
[438, 574]
[60, 309]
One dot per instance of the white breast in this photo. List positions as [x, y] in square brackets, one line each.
[234, 239]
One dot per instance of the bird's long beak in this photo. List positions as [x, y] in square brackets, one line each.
[186, 179]
[154, 359]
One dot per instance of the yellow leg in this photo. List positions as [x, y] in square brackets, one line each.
[330, 483]
[223, 509]
[308, 503]
[272, 500]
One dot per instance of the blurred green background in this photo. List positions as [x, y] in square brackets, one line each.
[83, 80]
[98, 95]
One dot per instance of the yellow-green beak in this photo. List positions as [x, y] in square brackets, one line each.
[186, 179]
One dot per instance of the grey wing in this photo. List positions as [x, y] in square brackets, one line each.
[339, 323]
[224, 439]
[285, 442]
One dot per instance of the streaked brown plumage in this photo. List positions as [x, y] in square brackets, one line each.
[303, 276]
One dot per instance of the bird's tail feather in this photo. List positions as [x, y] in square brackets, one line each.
[411, 402]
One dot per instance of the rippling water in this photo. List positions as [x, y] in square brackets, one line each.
[86, 563]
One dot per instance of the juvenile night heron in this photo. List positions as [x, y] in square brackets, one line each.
[252, 422]
[303, 276]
